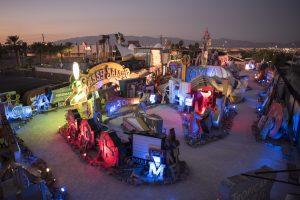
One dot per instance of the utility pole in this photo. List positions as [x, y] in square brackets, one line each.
[41, 48]
[161, 39]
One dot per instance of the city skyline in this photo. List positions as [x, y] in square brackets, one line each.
[250, 21]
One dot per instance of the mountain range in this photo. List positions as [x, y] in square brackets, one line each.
[150, 41]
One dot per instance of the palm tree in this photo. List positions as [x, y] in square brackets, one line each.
[23, 51]
[14, 42]
[68, 47]
[2, 52]
[61, 50]
[38, 48]
[50, 48]
[180, 44]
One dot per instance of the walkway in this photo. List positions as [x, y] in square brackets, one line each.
[209, 165]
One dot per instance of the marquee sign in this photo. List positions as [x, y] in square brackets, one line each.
[104, 73]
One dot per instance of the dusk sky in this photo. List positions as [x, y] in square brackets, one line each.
[253, 20]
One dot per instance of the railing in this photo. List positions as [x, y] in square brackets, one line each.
[293, 92]
[291, 99]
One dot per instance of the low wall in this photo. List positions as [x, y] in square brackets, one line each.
[53, 73]
[59, 75]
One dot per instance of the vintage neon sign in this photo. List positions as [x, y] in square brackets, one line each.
[76, 70]
[189, 101]
[104, 73]
[113, 107]
[108, 150]
[18, 112]
[156, 168]
[152, 99]
[41, 102]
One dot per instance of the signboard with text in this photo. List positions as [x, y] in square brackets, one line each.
[104, 73]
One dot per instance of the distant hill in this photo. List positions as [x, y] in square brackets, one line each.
[150, 41]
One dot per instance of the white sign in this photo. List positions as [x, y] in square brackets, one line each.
[189, 101]
[141, 145]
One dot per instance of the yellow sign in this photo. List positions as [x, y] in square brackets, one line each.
[104, 73]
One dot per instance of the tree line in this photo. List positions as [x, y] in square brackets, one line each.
[20, 49]
[274, 56]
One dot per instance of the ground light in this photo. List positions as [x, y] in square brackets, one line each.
[63, 189]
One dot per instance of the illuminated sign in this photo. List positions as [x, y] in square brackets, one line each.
[156, 169]
[60, 95]
[155, 58]
[18, 112]
[41, 102]
[189, 101]
[76, 70]
[104, 73]
[80, 93]
[113, 107]
[156, 166]
[152, 98]
[108, 149]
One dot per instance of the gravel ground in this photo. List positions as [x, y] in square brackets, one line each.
[209, 164]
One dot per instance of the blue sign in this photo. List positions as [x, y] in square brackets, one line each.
[42, 102]
[193, 72]
[114, 106]
[18, 112]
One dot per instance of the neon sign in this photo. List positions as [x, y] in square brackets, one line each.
[152, 99]
[108, 149]
[41, 102]
[18, 112]
[189, 101]
[156, 57]
[104, 73]
[114, 106]
[76, 70]
[156, 166]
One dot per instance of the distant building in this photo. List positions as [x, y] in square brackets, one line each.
[98, 51]
[134, 42]
[235, 53]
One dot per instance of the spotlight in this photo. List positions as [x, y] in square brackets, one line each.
[47, 169]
